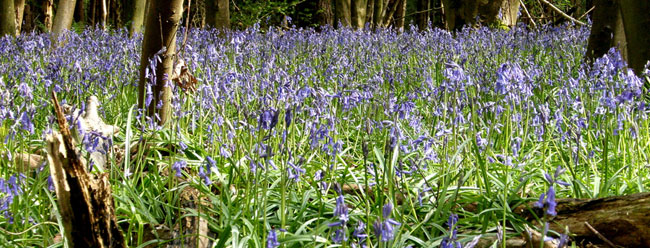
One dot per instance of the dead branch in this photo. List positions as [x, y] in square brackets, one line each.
[562, 13]
[85, 202]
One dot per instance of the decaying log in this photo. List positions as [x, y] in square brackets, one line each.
[623, 220]
[85, 201]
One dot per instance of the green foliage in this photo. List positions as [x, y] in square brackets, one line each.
[245, 13]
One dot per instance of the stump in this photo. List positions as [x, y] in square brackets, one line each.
[85, 201]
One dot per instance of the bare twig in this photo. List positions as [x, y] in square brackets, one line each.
[523, 6]
[586, 13]
[562, 13]
[600, 236]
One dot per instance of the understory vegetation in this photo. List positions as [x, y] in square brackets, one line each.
[295, 138]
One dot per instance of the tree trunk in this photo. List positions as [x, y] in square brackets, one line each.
[48, 12]
[421, 17]
[218, 13]
[606, 30]
[459, 13]
[138, 17]
[80, 12]
[378, 15]
[325, 16]
[509, 12]
[163, 16]
[28, 19]
[358, 13]
[370, 9]
[7, 18]
[636, 19]
[64, 15]
[400, 15]
[19, 5]
[104, 10]
[343, 18]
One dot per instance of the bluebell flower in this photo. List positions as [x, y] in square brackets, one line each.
[178, 166]
[211, 163]
[204, 176]
[386, 229]
[339, 236]
[182, 145]
[272, 239]
[340, 211]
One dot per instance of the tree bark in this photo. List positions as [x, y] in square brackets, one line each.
[7, 18]
[459, 13]
[85, 201]
[636, 20]
[510, 12]
[48, 12]
[80, 12]
[606, 30]
[324, 15]
[103, 6]
[358, 13]
[621, 219]
[163, 16]
[64, 15]
[370, 9]
[343, 18]
[400, 15]
[421, 18]
[19, 5]
[28, 19]
[218, 13]
[378, 15]
[138, 17]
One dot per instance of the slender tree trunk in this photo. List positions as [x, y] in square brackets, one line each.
[19, 5]
[378, 15]
[370, 11]
[93, 11]
[164, 16]
[48, 11]
[28, 19]
[138, 17]
[325, 16]
[104, 11]
[400, 15]
[421, 17]
[64, 16]
[636, 19]
[606, 30]
[7, 18]
[343, 18]
[358, 13]
[80, 12]
[218, 13]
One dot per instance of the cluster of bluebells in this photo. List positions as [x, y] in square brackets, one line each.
[547, 201]
[451, 241]
[340, 212]
[385, 230]
[9, 190]
[425, 93]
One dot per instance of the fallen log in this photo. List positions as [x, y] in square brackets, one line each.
[85, 201]
[620, 220]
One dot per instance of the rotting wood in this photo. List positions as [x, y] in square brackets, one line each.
[621, 219]
[85, 202]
